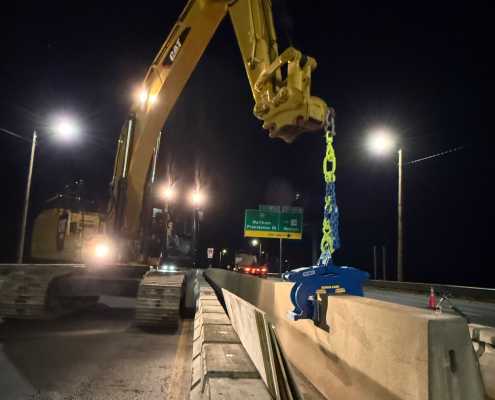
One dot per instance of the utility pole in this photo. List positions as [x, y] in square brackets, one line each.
[195, 237]
[374, 262]
[20, 253]
[221, 253]
[400, 266]
[280, 255]
[384, 263]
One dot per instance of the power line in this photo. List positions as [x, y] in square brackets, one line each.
[15, 135]
[435, 155]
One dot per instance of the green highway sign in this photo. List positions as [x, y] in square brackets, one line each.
[270, 224]
[291, 222]
[289, 209]
[269, 207]
[255, 220]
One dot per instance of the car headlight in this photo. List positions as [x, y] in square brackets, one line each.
[168, 267]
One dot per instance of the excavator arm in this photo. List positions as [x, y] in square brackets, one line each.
[280, 85]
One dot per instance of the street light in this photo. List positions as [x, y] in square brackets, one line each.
[63, 127]
[254, 243]
[197, 198]
[222, 253]
[382, 142]
[168, 193]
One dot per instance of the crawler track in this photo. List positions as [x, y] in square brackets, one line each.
[159, 299]
[31, 293]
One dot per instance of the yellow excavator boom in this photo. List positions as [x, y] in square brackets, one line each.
[280, 85]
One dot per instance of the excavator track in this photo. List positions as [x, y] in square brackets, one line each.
[31, 293]
[159, 299]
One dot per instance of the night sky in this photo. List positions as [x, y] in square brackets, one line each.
[416, 68]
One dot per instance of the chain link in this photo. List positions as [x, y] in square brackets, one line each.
[330, 240]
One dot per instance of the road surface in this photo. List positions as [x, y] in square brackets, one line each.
[477, 312]
[97, 354]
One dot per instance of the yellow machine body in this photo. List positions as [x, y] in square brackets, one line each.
[61, 235]
[280, 84]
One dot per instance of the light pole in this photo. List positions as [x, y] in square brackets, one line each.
[197, 200]
[254, 243]
[64, 129]
[20, 251]
[168, 195]
[222, 253]
[400, 265]
[381, 142]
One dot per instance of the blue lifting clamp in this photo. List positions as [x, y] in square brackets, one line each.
[331, 278]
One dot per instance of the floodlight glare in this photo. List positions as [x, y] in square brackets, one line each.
[168, 193]
[381, 142]
[197, 198]
[65, 128]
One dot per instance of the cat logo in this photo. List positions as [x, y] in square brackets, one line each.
[175, 50]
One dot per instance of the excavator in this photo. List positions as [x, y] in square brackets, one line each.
[118, 255]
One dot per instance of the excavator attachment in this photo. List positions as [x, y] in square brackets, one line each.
[283, 97]
[290, 121]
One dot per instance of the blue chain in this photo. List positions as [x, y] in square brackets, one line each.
[331, 238]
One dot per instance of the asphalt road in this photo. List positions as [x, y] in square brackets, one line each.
[97, 354]
[477, 312]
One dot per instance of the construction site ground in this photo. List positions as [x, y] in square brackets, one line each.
[95, 354]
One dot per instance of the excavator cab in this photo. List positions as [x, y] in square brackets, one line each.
[67, 222]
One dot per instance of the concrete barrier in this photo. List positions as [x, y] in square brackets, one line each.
[373, 350]
[487, 363]
[221, 368]
[483, 338]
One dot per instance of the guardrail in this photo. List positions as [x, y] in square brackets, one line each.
[464, 292]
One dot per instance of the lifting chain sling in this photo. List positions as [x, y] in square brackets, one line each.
[331, 239]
